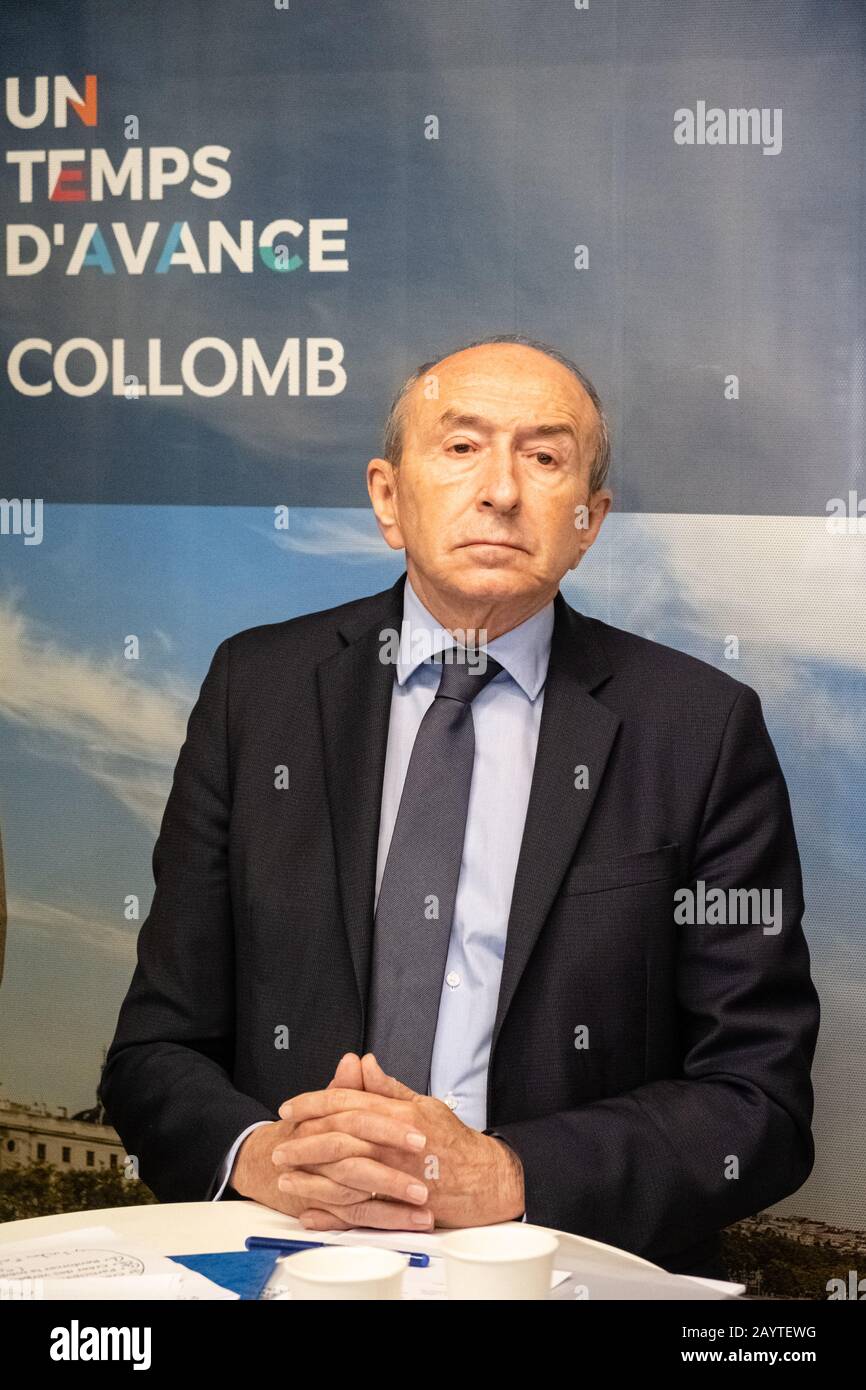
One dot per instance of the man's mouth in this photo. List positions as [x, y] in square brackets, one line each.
[505, 545]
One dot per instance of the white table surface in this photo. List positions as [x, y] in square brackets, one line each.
[176, 1228]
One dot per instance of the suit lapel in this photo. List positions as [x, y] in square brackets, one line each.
[355, 701]
[576, 731]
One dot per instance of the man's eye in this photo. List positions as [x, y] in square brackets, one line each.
[461, 444]
[544, 457]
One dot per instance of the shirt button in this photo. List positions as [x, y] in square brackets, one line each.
[451, 1101]
[452, 979]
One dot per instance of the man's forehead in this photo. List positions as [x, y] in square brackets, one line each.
[525, 386]
[546, 421]
[505, 410]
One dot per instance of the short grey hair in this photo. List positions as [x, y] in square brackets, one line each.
[395, 425]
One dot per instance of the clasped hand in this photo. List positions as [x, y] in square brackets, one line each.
[368, 1151]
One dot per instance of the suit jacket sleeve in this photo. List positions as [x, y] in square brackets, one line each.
[656, 1169]
[167, 1085]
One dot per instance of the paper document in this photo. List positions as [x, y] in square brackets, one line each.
[96, 1263]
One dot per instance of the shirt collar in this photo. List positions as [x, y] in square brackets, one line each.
[523, 652]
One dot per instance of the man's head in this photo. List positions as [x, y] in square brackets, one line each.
[492, 479]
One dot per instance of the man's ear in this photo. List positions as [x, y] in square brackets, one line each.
[382, 487]
[349, 1074]
[588, 520]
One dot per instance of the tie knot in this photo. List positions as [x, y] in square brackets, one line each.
[463, 679]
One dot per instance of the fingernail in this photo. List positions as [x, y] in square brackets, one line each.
[285, 1110]
[417, 1192]
[415, 1139]
[422, 1218]
[283, 1182]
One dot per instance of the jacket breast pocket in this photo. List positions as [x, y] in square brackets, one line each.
[659, 864]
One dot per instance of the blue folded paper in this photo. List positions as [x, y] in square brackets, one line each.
[245, 1272]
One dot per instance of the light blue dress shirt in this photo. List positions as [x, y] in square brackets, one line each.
[507, 717]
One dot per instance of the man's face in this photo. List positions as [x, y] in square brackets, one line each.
[487, 498]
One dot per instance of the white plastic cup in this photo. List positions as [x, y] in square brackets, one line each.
[508, 1261]
[342, 1272]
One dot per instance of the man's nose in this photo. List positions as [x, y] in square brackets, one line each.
[500, 486]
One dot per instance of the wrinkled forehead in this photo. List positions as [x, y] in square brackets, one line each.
[507, 390]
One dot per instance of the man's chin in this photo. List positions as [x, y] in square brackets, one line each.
[505, 579]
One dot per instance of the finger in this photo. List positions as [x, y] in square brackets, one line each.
[366, 1175]
[384, 1216]
[315, 1188]
[312, 1105]
[326, 1147]
[315, 1220]
[378, 1081]
[348, 1073]
[361, 1127]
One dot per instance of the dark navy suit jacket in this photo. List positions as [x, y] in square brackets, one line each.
[691, 1104]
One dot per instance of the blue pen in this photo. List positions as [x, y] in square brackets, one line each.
[291, 1247]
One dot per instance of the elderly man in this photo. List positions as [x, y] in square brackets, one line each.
[420, 949]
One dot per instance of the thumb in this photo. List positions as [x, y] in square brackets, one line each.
[376, 1080]
[348, 1074]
